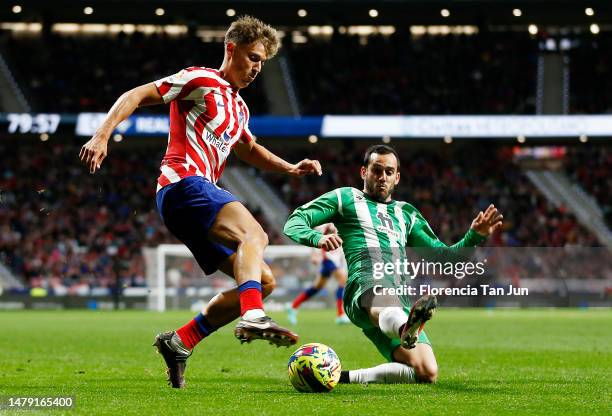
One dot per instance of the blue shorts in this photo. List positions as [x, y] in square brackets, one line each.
[327, 268]
[189, 208]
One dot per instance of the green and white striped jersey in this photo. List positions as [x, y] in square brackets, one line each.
[371, 231]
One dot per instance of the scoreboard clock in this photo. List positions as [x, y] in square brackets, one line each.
[32, 123]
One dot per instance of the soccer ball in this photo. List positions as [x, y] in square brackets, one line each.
[314, 368]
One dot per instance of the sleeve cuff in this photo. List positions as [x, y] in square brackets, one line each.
[472, 238]
[316, 238]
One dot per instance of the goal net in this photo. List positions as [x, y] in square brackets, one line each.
[175, 281]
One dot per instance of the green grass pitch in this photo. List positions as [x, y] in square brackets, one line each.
[491, 362]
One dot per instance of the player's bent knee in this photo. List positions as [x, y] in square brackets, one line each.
[262, 238]
[427, 373]
[255, 236]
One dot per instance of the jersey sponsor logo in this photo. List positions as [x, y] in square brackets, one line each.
[216, 142]
[388, 231]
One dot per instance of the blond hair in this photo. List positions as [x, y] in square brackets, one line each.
[248, 29]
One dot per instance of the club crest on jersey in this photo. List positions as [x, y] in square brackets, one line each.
[386, 226]
[240, 116]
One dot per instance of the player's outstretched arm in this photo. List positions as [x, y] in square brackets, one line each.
[256, 155]
[95, 150]
[485, 223]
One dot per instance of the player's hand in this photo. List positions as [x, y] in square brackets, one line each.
[94, 152]
[486, 223]
[330, 242]
[306, 167]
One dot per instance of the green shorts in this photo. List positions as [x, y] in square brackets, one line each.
[358, 315]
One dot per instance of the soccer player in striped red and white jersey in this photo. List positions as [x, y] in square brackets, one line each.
[208, 119]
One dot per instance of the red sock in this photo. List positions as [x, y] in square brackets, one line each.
[250, 296]
[195, 331]
[339, 295]
[303, 297]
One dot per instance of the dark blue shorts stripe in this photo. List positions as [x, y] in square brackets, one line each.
[250, 284]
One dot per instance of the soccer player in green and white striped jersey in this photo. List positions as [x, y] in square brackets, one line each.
[374, 230]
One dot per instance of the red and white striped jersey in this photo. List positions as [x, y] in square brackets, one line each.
[207, 118]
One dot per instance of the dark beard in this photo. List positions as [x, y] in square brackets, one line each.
[372, 194]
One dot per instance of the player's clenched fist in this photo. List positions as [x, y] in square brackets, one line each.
[330, 242]
[94, 152]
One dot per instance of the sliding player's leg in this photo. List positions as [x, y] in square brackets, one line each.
[318, 284]
[235, 227]
[389, 328]
[417, 365]
[421, 358]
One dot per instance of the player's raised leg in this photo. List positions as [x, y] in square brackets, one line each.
[393, 321]
[235, 227]
[224, 307]
[177, 346]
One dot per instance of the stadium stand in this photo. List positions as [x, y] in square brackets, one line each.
[590, 66]
[81, 74]
[489, 73]
[57, 223]
[590, 166]
[486, 73]
[480, 74]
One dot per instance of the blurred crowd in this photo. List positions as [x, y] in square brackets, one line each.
[73, 74]
[591, 167]
[68, 231]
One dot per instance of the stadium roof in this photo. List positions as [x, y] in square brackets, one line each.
[328, 12]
